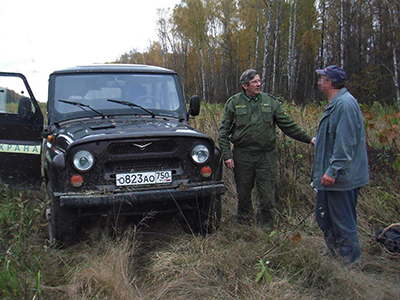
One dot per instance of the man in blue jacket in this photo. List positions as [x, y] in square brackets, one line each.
[340, 165]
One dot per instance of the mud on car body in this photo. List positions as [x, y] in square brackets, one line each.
[117, 143]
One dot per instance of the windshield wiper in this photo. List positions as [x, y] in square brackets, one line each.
[81, 105]
[132, 105]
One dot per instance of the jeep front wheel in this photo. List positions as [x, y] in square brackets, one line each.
[62, 221]
[212, 214]
[206, 217]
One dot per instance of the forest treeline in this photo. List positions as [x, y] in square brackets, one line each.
[211, 42]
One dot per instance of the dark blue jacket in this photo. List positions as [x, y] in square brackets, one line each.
[340, 149]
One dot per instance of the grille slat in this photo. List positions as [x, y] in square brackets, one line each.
[140, 147]
[142, 165]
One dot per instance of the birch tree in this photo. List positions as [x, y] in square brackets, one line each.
[251, 25]
[341, 36]
[322, 4]
[275, 56]
[268, 11]
[257, 41]
[291, 63]
[228, 20]
[393, 11]
[212, 41]
[163, 32]
[189, 18]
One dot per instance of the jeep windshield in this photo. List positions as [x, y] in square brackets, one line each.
[154, 93]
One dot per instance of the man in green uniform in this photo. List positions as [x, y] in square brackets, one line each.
[248, 123]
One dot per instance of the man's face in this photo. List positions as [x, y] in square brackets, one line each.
[324, 84]
[254, 87]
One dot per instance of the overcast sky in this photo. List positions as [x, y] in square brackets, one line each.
[40, 36]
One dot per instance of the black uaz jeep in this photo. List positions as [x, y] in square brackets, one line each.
[116, 143]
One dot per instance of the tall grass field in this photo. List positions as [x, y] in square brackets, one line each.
[153, 258]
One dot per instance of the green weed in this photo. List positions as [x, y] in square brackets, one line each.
[264, 272]
[20, 214]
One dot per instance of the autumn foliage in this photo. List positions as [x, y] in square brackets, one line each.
[210, 43]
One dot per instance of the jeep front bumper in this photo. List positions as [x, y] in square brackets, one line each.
[137, 197]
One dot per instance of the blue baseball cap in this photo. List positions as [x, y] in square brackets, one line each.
[334, 73]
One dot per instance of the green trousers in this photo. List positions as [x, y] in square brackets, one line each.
[261, 169]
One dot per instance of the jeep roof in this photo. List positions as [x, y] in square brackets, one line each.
[116, 68]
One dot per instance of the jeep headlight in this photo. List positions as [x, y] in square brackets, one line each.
[83, 160]
[200, 153]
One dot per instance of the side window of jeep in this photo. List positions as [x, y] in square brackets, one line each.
[14, 98]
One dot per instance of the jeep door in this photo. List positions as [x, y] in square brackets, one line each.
[21, 125]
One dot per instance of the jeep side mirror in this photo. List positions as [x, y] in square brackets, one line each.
[194, 108]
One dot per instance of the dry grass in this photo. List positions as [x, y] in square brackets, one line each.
[99, 268]
[165, 263]
[104, 271]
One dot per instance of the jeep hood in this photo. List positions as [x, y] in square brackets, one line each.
[89, 130]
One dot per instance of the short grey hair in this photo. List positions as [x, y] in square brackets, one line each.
[246, 76]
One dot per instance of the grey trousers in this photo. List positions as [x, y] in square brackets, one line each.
[336, 216]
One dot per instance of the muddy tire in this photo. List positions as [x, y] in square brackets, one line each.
[62, 222]
[206, 218]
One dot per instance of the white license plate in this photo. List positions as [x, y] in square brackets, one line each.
[140, 178]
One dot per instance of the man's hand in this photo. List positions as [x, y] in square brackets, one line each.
[230, 164]
[327, 181]
[313, 141]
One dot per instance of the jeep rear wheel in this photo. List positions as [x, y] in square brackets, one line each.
[62, 221]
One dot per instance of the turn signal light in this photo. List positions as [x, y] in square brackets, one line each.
[50, 138]
[205, 172]
[76, 180]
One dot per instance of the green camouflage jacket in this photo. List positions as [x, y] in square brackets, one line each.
[249, 124]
